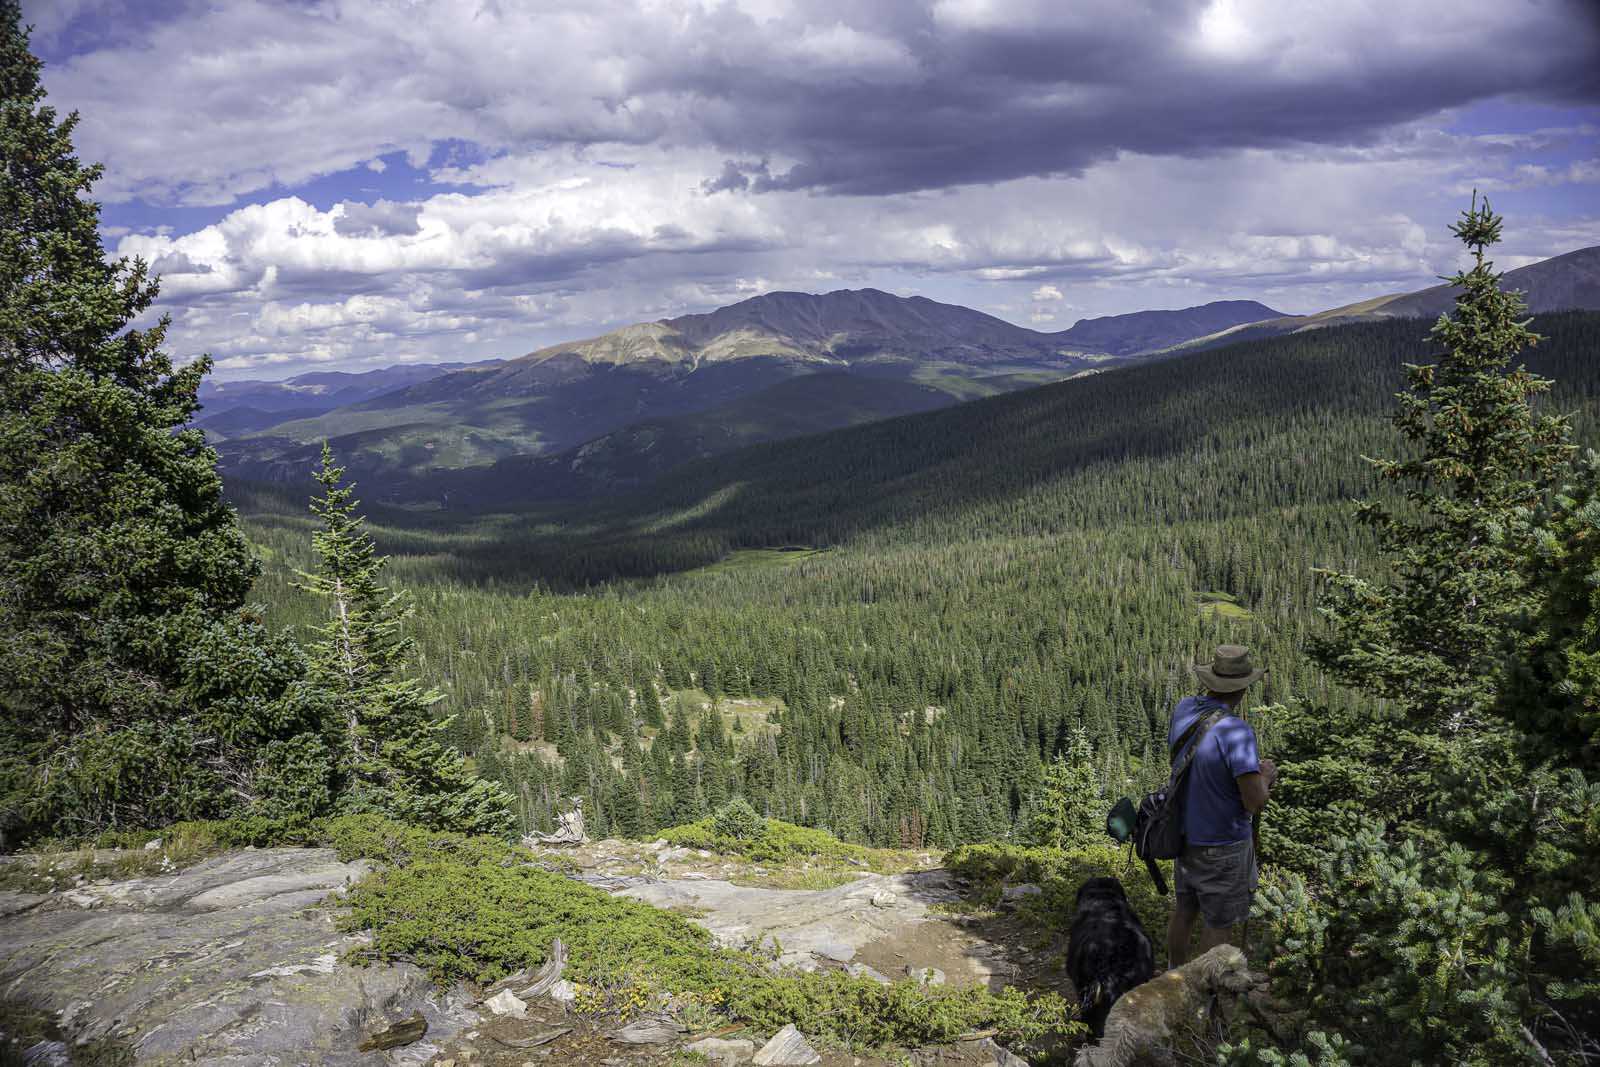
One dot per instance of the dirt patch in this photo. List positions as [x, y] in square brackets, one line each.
[964, 958]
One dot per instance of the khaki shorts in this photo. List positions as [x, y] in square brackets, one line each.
[1218, 881]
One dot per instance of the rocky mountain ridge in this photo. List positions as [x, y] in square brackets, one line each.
[1568, 282]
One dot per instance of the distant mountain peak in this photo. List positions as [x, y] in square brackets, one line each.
[1146, 331]
[1239, 308]
[847, 325]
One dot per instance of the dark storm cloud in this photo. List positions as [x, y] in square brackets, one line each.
[993, 99]
[851, 98]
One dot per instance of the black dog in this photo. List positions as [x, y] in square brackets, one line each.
[1108, 953]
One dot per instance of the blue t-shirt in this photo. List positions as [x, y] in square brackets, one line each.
[1213, 813]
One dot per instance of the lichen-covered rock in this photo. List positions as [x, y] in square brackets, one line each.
[812, 925]
[229, 962]
[981, 1052]
[47, 1054]
[861, 970]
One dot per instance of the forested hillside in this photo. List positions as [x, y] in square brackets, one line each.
[992, 577]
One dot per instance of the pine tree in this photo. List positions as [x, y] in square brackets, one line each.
[1429, 641]
[393, 759]
[1544, 832]
[122, 569]
[1484, 460]
[1068, 810]
[1439, 836]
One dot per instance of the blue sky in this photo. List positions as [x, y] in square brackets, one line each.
[353, 183]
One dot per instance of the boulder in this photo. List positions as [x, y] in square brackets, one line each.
[506, 1002]
[998, 1054]
[1014, 893]
[788, 1048]
[723, 1053]
[926, 975]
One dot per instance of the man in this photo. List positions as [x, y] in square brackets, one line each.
[1228, 783]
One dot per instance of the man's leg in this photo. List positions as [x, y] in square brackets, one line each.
[1212, 936]
[1222, 882]
[1180, 928]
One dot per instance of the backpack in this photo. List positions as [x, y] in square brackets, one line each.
[1158, 824]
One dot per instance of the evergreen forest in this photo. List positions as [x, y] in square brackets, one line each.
[891, 631]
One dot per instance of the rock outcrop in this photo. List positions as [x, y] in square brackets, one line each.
[811, 926]
[230, 962]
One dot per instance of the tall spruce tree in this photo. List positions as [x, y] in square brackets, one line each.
[1444, 840]
[122, 570]
[392, 757]
[1427, 640]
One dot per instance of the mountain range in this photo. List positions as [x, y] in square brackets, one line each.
[246, 404]
[615, 411]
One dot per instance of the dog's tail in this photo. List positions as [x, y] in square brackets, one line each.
[1094, 1004]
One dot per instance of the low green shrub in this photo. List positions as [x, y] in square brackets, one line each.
[480, 921]
[775, 842]
[862, 1013]
[471, 908]
[738, 821]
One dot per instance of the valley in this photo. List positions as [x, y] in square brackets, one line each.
[1026, 564]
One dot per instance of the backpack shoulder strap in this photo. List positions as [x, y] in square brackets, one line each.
[1183, 738]
[1200, 729]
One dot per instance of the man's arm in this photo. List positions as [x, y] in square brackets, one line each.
[1254, 787]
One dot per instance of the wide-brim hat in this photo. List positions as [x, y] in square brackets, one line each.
[1230, 670]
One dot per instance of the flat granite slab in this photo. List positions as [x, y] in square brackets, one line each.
[234, 961]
